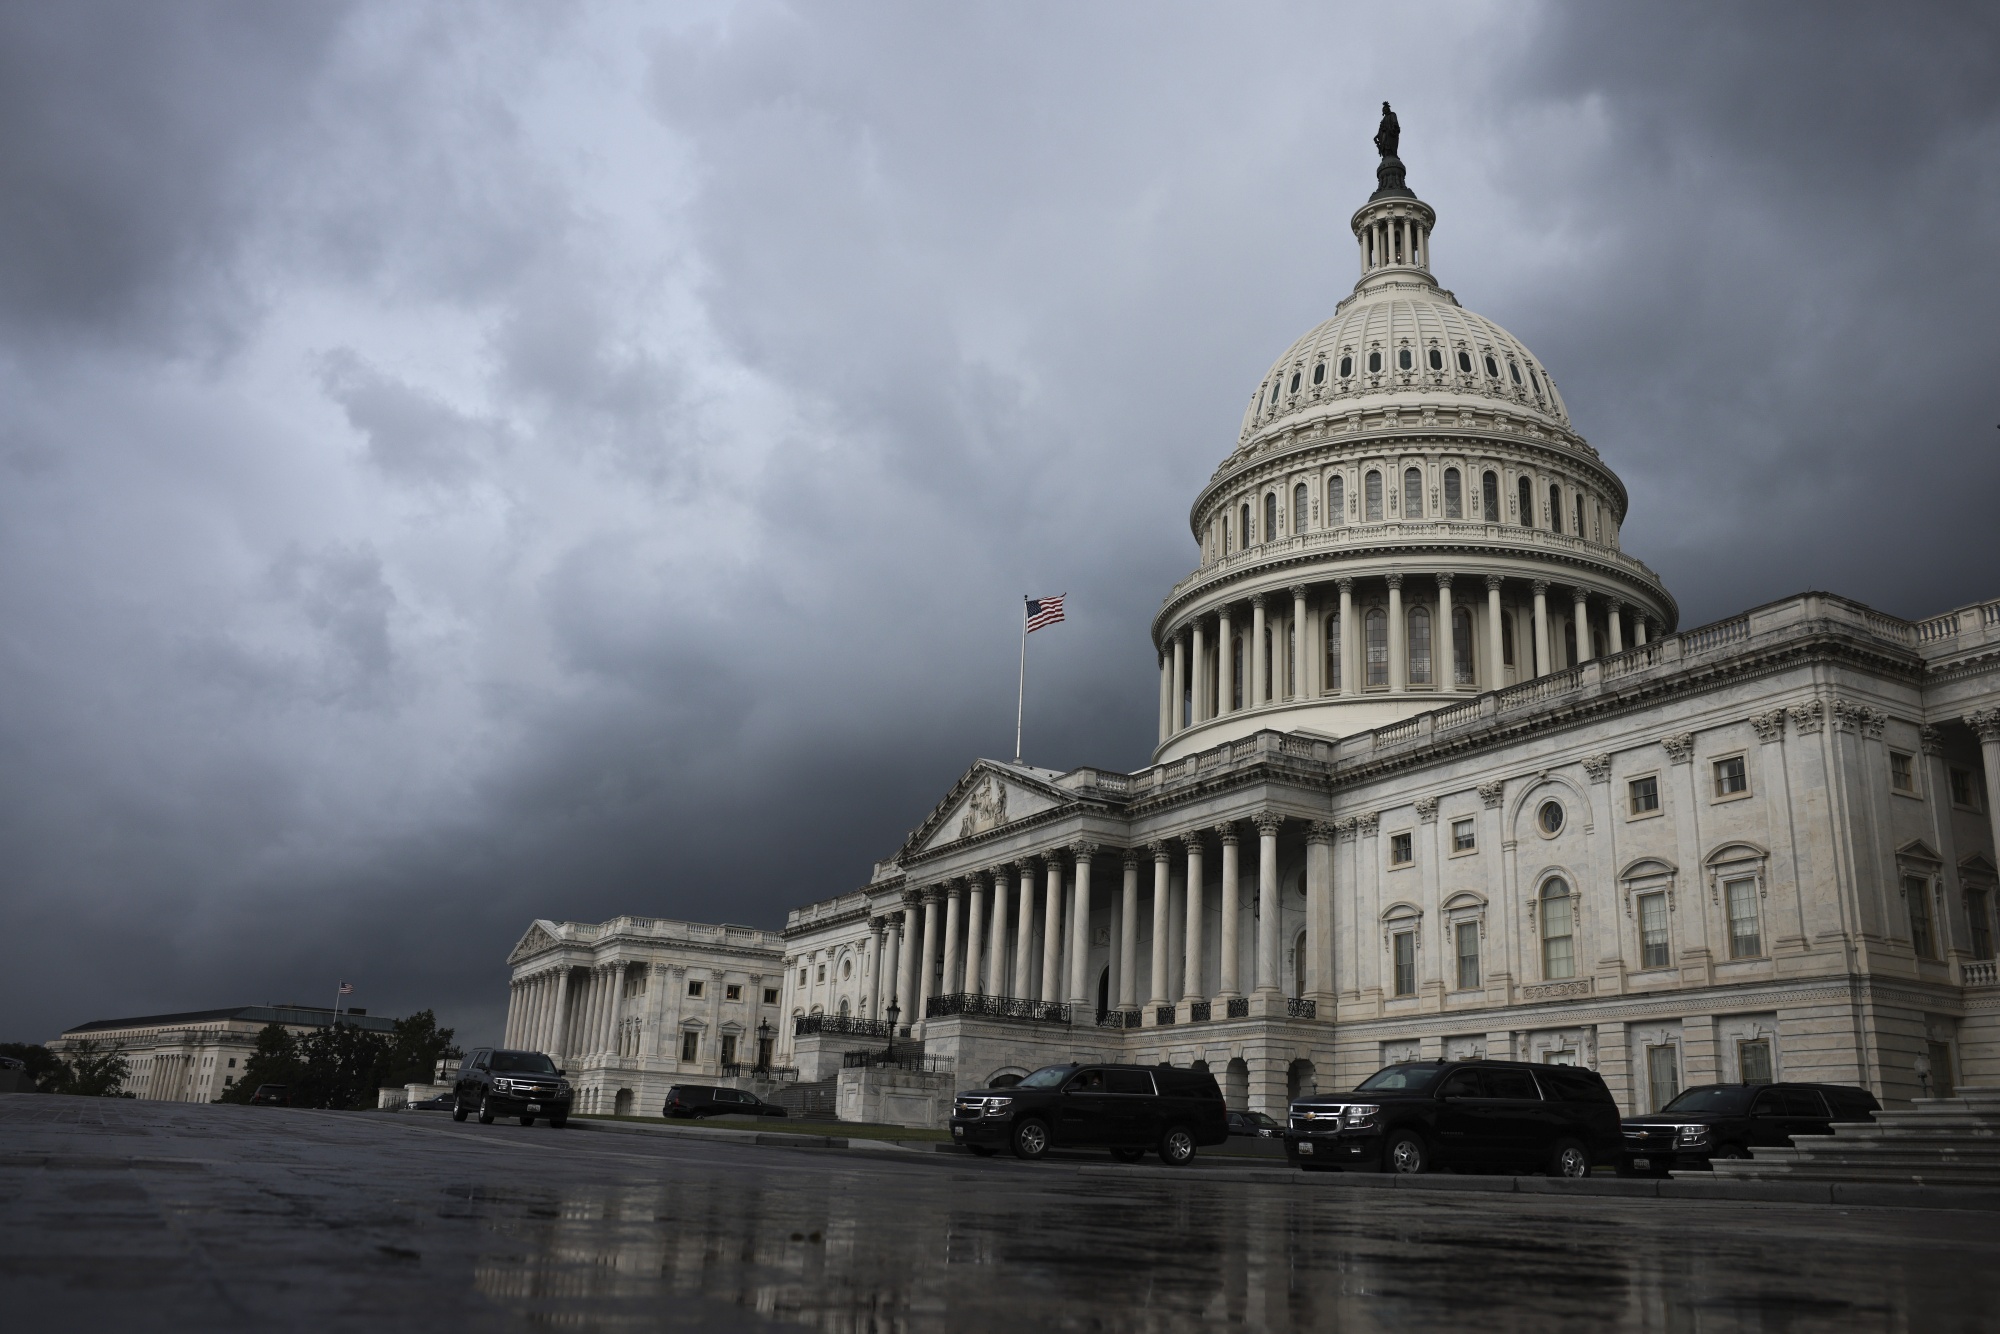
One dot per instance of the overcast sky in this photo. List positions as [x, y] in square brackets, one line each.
[460, 464]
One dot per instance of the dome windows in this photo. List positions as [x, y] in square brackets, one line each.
[1555, 508]
[1374, 363]
[1420, 645]
[1375, 635]
[1403, 359]
[1413, 493]
[1243, 524]
[1300, 502]
[1371, 490]
[1319, 372]
[1270, 515]
[1514, 371]
[1464, 362]
[1527, 499]
[1295, 382]
[1346, 367]
[1489, 491]
[1454, 495]
[1276, 385]
[1336, 501]
[1437, 360]
[1492, 369]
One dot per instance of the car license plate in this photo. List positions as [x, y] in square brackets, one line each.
[958, 1131]
[1642, 1163]
[1305, 1146]
[534, 1107]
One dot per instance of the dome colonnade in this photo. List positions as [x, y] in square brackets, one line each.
[1407, 514]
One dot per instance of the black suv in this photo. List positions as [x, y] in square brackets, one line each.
[689, 1100]
[1127, 1109]
[526, 1084]
[1728, 1120]
[1498, 1116]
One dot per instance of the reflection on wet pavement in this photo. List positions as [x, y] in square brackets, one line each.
[156, 1216]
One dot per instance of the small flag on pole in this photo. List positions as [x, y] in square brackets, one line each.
[1044, 611]
[347, 988]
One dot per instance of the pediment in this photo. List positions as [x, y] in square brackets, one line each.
[539, 937]
[1917, 850]
[1977, 864]
[989, 796]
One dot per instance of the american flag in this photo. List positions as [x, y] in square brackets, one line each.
[347, 988]
[1044, 611]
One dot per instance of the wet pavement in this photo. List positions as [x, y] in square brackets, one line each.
[142, 1216]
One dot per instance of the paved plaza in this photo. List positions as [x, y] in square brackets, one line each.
[153, 1216]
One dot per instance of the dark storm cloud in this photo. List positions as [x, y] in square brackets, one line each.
[461, 466]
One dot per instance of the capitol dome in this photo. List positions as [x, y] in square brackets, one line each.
[1408, 516]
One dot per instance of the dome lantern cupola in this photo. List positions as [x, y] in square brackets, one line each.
[1408, 519]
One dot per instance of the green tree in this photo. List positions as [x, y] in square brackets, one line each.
[339, 1067]
[274, 1061]
[91, 1071]
[43, 1064]
[415, 1048]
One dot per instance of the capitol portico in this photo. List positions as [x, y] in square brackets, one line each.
[1439, 773]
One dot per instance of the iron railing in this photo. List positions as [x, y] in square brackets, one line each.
[1198, 1011]
[1302, 1009]
[851, 1025]
[1239, 1008]
[882, 1060]
[1119, 1018]
[738, 1069]
[997, 1007]
[1163, 1016]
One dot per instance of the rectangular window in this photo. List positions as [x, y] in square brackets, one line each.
[1731, 777]
[770, 995]
[1405, 943]
[822, 974]
[1902, 772]
[1917, 893]
[690, 1046]
[1558, 945]
[802, 977]
[1965, 789]
[1375, 634]
[729, 1049]
[1467, 934]
[1655, 951]
[694, 988]
[1643, 794]
[1399, 850]
[1746, 932]
[1976, 910]
[1464, 835]
[1753, 1060]
[734, 991]
[1663, 1074]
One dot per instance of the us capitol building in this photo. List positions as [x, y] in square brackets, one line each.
[1438, 774]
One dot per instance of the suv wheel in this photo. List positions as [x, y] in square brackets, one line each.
[457, 1110]
[1405, 1152]
[1570, 1159]
[1177, 1147]
[1031, 1139]
[485, 1109]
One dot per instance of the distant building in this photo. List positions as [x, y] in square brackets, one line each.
[196, 1056]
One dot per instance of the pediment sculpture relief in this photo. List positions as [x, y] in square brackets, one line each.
[986, 809]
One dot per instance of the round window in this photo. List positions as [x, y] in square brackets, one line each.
[847, 970]
[1550, 817]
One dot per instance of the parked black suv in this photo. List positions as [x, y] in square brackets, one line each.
[1728, 1120]
[689, 1100]
[1127, 1109]
[526, 1084]
[1500, 1116]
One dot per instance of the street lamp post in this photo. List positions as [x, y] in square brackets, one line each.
[763, 1046]
[894, 1010]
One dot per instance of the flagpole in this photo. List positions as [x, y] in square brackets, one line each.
[336, 1005]
[1021, 689]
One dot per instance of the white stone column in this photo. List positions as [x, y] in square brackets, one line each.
[614, 1007]
[892, 965]
[1079, 933]
[1198, 672]
[1161, 925]
[927, 961]
[1300, 646]
[975, 931]
[1267, 903]
[1317, 984]
[1166, 697]
[1191, 960]
[1399, 638]
[996, 948]
[1024, 931]
[1259, 671]
[1640, 626]
[1614, 627]
[1496, 647]
[1446, 667]
[1226, 982]
[953, 913]
[1128, 935]
[1052, 940]
[1350, 684]
[1581, 624]
[561, 1040]
[877, 978]
[1225, 663]
[1986, 723]
[1181, 718]
[1542, 664]
[906, 981]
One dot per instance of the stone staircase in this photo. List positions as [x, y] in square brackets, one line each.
[1951, 1141]
[818, 1100]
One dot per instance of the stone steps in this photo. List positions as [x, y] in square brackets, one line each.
[1939, 1141]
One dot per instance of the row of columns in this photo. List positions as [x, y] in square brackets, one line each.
[539, 1014]
[945, 937]
[1185, 694]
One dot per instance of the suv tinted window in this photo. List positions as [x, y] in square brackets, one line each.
[1400, 1079]
[1127, 1081]
[1801, 1102]
[523, 1062]
[1564, 1083]
[1850, 1104]
[1505, 1083]
[1463, 1084]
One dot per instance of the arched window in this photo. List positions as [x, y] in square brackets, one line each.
[1270, 515]
[1437, 360]
[1558, 931]
[1225, 535]
[1514, 371]
[1346, 367]
[1276, 385]
[1578, 530]
[1454, 499]
[1336, 501]
[1461, 645]
[1374, 362]
[1413, 493]
[1299, 503]
[1372, 497]
[1236, 672]
[1489, 488]
[1319, 372]
[1555, 508]
[1244, 526]
[1295, 383]
[1378, 646]
[1403, 361]
[1464, 362]
[1492, 369]
[1420, 645]
[1333, 664]
[1506, 639]
[1527, 499]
